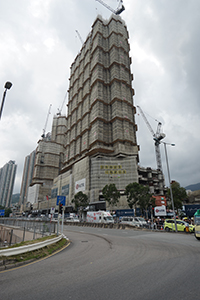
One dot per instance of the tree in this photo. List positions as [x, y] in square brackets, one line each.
[8, 212]
[145, 199]
[80, 199]
[132, 191]
[179, 195]
[111, 194]
[140, 195]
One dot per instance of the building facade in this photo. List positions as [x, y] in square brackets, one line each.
[7, 179]
[152, 178]
[100, 142]
[27, 177]
[95, 144]
[47, 164]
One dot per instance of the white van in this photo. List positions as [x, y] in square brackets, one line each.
[130, 221]
[99, 217]
[141, 221]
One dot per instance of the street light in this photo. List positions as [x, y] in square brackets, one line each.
[170, 183]
[7, 87]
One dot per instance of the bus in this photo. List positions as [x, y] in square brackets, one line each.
[197, 224]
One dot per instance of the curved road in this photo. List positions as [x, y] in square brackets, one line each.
[111, 264]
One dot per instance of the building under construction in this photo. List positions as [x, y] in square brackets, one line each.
[95, 144]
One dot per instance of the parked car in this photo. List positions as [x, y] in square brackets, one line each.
[72, 219]
[181, 225]
[141, 221]
[129, 221]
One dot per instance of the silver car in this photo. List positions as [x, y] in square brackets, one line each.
[141, 221]
[130, 221]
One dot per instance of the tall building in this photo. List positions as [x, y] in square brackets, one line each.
[95, 144]
[7, 179]
[48, 163]
[100, 145]
[27, 177]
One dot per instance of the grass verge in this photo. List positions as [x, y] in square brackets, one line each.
[34, 255]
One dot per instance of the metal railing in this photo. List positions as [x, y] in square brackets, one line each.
[15, 230]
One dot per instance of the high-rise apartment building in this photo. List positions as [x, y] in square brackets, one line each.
[48, 163]
[7, 179]
[95, 144]
[27, 177]
[100, 144]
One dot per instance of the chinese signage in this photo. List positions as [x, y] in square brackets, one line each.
[113, 169]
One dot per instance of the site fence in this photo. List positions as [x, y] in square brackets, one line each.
[14, 231]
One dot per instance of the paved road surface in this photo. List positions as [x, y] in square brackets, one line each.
[111, 264]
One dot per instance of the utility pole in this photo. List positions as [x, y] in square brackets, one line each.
[171, 194]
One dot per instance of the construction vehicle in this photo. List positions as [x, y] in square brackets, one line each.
[157, 137]
[118, 11]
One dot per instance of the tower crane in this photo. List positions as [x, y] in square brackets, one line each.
[157, 137]
[118, 11]
[60, 110]
[80, 38]
[44, 130]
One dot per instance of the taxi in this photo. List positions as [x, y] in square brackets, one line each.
[181, 225]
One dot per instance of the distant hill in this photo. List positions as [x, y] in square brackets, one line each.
[15, 198]
[193, 187]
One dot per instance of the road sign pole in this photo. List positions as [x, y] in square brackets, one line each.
[62, 220]
[58, 220]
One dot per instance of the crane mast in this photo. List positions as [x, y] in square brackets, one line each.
[118, 11]
[44, 130]
[157, 137]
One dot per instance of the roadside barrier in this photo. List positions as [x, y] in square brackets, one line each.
[31, 247]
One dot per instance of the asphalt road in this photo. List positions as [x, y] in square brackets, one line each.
[111, 264]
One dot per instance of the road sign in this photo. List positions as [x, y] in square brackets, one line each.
[61, 200]
[2, 212]
[52, 210]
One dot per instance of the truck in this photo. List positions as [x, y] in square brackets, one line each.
[99, 217]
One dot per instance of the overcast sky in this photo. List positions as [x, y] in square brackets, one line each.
[38, 43]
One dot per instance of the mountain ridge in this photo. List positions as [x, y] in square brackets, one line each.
[193, 187]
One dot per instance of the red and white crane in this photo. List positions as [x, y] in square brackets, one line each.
[157, 137]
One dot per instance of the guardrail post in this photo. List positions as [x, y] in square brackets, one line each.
[11, 234]
[34, 233]
[24, 234]
[43, 229]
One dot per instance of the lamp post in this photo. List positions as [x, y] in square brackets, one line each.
[171, 194]
[7, 87]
